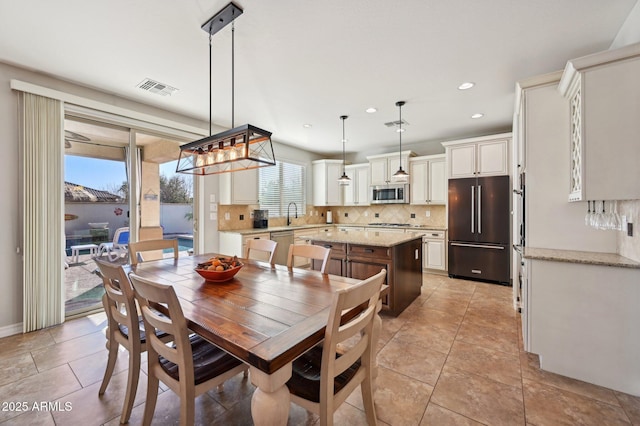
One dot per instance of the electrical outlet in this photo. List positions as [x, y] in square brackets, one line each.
[377, 214]
[346, 214]
[241, 217]
[413, 215]
[427, 213]
[366, 214]
[251, 215]
[227, 216]
[629, 229]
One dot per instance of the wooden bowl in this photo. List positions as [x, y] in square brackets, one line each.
[219, 276]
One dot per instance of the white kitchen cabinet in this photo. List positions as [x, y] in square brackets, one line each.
[383, 167]
[434, 254]
[483, 156]
[602, 90]
[428, 180]
[357, 192]
[434, 251]
[326, 189]
[239, 187]
[235, 243]
[581, 320]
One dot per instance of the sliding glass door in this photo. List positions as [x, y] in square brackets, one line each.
[117, 177]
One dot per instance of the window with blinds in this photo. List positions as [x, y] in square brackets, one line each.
[280, 185]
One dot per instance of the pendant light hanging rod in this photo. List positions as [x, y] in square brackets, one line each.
[239, 148]
[400, 174]
[233, 73]
[344, 179]
[210, 87]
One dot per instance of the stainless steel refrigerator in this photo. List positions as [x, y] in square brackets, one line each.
[479, 226]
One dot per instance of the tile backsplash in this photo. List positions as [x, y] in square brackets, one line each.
[390, 213]
[630, 246]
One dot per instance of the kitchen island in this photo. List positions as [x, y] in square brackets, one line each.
[361, 254]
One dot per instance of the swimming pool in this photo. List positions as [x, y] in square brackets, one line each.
[185, 242]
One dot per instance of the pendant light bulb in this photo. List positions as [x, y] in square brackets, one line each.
[344, 179]
[400, 175]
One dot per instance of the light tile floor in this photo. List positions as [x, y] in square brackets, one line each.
[452, 358]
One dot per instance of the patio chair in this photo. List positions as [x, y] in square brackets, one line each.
[118, 247]
[327, 374]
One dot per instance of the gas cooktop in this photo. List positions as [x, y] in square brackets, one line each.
[389, 224]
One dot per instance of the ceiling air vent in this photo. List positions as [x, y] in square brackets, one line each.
[396, 123]
[156, 87]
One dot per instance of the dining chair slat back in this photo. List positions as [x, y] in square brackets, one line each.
[326, 375]
[174, 364]
[310, 251]
[142, 251]
[124, 328]
[262, 246]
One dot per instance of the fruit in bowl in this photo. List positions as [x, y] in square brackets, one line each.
[219, 268]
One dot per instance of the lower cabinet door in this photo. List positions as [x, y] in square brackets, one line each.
[481, 261]
[434, 255]
[363, 269]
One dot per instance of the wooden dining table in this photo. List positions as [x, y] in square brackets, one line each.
[265, 315]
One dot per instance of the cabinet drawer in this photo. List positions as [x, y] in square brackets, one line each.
[434, 235]
[336, 248]
[264, 236]
[369, 251]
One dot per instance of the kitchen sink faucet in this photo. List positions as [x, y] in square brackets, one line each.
[294, 205]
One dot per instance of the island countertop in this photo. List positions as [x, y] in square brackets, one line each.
[367, 238]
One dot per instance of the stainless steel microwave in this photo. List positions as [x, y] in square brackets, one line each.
[390, 194]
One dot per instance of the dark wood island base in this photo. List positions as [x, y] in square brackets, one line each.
[361, 254]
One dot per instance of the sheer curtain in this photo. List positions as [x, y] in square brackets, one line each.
[42, 127]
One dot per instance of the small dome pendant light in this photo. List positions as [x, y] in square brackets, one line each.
[344, 179]
[400, 175]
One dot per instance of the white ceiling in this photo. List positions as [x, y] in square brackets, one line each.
[309, 61]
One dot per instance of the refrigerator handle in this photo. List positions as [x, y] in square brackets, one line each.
[479, 209]
[473, 198]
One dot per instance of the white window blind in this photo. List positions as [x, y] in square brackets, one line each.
[280, 185]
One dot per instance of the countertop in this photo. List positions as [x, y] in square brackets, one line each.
[250, 231]
[574, 256]
[367, 238]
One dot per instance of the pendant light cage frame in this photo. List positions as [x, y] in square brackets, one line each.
[240, 148]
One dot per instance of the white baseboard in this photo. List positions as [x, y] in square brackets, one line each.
[10, 330]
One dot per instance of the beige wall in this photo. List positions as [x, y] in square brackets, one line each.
[11, 213]
[629, 246]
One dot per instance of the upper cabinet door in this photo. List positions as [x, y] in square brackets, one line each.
[240, 187]
[492, 158]
[602, 90]
[462, 161]
[326, 190]
[378, 167]
[477, 157]
[419, 182]
[362, 189]
[437, 182]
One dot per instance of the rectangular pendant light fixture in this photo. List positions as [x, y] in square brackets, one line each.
[241, 148]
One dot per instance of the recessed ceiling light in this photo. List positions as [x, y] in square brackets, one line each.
[371, 110]
[466, 85]
[477, 115]
[306, 126]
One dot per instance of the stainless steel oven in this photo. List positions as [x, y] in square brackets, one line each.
[390, 194]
